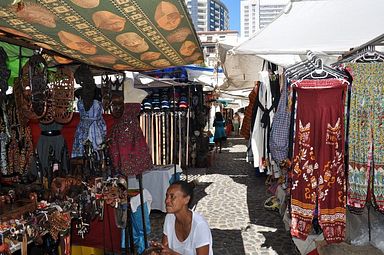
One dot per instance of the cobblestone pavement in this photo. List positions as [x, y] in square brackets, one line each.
[231, 198]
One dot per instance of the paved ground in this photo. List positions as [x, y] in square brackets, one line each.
[231, 198]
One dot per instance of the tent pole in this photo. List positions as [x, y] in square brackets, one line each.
[174, 131]
[187, 141]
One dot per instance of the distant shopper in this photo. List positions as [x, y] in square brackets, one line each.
[220, 136]
[236, 123]
[185, 232]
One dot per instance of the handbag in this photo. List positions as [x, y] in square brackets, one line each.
[279, 135]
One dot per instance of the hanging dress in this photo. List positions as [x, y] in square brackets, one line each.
[318, 178]
[366, 136]
[91, 127]
[129, 150]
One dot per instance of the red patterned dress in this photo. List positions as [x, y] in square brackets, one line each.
[318, 165]
[129, 150]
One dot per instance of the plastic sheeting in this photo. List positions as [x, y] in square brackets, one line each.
[358, 228]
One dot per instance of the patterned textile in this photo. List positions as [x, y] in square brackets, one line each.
[366, 135]
[318, 163]
[279, 137]
[121, 35]
[91, 127]
[129, 150]
[246, 126]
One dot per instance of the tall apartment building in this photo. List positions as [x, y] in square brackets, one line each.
[256, 14]
[208, 15]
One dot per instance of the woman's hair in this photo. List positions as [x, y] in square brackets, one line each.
[187, 188]
[218, 116]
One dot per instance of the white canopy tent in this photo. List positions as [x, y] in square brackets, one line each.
[328, 28]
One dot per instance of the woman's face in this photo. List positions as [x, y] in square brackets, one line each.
[175, 199]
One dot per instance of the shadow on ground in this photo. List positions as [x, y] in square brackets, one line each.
[234, 165]
[199, 193]
[227, 242]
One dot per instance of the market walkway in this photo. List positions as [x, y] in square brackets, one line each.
[231, 198]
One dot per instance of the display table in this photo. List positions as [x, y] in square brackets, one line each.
[156, 182]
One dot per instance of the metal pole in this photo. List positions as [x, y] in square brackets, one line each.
[128, 230]
[140, 178]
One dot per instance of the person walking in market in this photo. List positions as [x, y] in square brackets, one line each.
[236, 124]
[220, 136]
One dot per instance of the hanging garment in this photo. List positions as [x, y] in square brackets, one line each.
[129, 151]
[246, 126]
[279, 137]
[318, 164]
[51, 137]
[366, 135]
[263, 120]
[91, 127]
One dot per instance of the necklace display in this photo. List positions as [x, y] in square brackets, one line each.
[20, 148]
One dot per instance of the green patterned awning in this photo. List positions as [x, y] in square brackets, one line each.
[114, 34]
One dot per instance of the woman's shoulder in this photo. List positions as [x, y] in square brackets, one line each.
[169, 218]
[197, 217]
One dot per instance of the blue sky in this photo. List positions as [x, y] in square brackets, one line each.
[234, 13]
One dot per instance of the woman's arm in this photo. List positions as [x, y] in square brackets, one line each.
[164, 240]
[204, 250]
[202, 240]
[165, 247]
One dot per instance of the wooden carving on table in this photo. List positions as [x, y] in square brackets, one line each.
[61, 186]
[17, 209]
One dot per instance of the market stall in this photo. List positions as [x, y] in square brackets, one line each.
[316, 169]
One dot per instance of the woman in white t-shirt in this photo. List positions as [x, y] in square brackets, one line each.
[185, 232]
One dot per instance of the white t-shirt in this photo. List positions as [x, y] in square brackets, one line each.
[199, 236]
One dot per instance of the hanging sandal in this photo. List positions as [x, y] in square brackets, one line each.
[272, 204]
